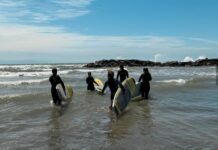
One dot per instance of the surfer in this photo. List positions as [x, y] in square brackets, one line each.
[90, 81]
[55, 80]
[122, 73]
[145, 85]
[113, 85]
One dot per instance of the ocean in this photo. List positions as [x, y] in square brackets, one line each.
[181, 113]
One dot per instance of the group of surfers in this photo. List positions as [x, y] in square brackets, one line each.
[112, 83]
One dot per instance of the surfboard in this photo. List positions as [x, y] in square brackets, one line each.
[65, 97]
[100, 85]
[121, 99]
[137, 91]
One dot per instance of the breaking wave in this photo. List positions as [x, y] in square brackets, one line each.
[22, 82]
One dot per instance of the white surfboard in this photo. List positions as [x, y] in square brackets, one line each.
[137, 91]
[65, 96]
[121, 99]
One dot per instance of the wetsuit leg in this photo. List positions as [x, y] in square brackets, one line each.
[91, 88]
[55, 96]
[112, 98]
[142, 89]
[147, 89]
[59, 101]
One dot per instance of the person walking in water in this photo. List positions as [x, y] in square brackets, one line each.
[55, 80]
[145, 85]
[113, 86]
[90, 81]
[122, 73]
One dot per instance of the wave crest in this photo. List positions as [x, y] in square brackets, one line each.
[176, 81]
[22, 82]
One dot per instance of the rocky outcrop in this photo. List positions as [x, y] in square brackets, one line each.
[135, 62]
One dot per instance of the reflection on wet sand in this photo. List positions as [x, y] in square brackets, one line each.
[134, 121]
[55, 141]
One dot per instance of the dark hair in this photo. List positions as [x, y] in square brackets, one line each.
[110, 73]
[54, 70]
[145, 69]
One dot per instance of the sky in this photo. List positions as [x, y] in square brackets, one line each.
[77, 31]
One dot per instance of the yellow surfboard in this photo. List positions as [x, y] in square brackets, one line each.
[100, 85]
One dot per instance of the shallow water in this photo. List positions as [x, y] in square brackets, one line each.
[181, 113]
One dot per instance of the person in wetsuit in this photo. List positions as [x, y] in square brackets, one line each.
[122, 73]
[90, 81]
[55, 80]
[113, 86]
[145, 85]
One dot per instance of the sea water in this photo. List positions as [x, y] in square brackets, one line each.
[181, 113]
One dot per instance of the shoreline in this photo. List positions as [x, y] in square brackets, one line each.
[140, 63]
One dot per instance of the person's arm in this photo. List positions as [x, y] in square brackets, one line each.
[140, 78]
[105, 86]
[127, 74]
[150, 77]
[87, 80]
[94, 81]
[50, 79]
[118, 74]
[62, 83]
[121, 86]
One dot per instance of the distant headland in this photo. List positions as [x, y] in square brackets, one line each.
[138, 63]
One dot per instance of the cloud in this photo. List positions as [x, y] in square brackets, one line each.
[11, 3]
[55, 41]
[75, 3]
[71, 13]
[23, 11]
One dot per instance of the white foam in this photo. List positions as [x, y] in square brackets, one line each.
[26, 67]
[9, 96]
[31, 74]
[90, 70]
[206, 74]
[21, 82]
[26, 74]
[38, 67]
[177, 81]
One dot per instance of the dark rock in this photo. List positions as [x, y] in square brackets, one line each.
[135, 62]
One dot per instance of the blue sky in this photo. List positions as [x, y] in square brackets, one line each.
[52, 31]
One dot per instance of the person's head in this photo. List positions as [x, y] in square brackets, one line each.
[145, 70]
[110, 74]
[89, 74]
[121, 67]
[54, 71]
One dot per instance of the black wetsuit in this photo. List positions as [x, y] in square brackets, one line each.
[145, 85]
[123, 75]
[113, 85]
[90, 81]
[55, 80]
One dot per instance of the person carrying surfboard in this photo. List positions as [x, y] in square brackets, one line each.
[113, 86]
[90, 81]
[122, 73]
[145, 85]
[55, 80]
